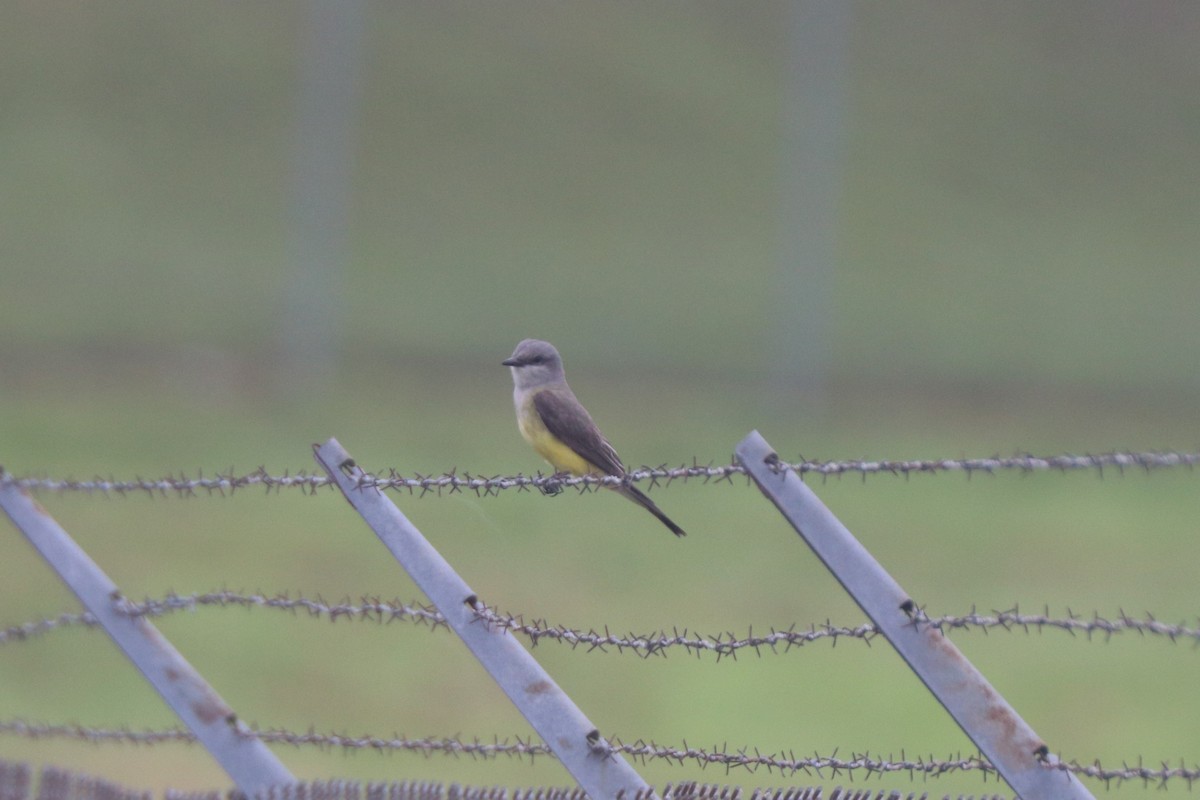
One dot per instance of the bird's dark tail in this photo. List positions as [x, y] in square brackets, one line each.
[636, 495]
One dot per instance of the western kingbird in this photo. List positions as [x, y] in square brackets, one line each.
[560, 428]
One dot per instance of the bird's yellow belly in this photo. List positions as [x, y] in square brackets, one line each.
[548, 446]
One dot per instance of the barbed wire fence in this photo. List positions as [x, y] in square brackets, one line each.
[658, 643]
[16, 783]
[375, 611]
[646, 645]
[454, 481]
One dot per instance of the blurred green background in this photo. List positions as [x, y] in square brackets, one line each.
[1016, 240]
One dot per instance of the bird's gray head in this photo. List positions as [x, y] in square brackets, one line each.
[535, 363]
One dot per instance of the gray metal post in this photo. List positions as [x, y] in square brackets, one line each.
[991, 723]
[332, 56]
[573, 738]
[249, 762]
[813, 146]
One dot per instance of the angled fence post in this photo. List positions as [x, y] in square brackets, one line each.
[997, 730]
[574, 739]
[249, 762]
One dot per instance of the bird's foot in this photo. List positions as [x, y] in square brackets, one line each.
[553, 485]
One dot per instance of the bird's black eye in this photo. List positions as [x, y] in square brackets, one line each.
[537, 359]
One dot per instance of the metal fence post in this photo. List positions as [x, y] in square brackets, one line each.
[998, 731]
[249, 762]
[573, 738]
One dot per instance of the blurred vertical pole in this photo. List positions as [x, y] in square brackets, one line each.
[328, 109]
[813, 142]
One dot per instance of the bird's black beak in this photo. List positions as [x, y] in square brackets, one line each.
[511, 362]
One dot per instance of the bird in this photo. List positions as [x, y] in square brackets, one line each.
[560, 429]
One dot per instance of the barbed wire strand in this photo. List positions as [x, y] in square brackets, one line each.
[373, 609]
[63, 784]
[230, 482]
[641, 750]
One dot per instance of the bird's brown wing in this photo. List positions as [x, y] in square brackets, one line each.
[569, 421]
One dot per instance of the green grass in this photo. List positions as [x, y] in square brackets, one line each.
[1066, 541]
[607, 177]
